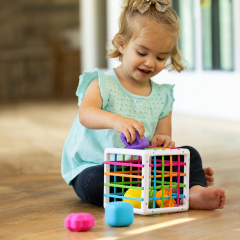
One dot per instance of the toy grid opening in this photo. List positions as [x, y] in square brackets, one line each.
[140, 177]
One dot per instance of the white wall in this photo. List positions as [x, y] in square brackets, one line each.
[214, 94]
[88, 34]
[114, 9]
[236, 27]
[207, 94]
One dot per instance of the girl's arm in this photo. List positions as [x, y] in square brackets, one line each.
[92, 116]
[163, 132]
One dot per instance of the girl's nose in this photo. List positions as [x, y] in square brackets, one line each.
[150, 62]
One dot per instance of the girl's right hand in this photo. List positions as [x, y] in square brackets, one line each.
[128, 126]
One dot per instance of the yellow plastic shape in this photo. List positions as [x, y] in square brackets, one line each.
[134, 193]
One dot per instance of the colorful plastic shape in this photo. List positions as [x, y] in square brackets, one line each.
[119, 214]
[166, 202]
[137, 144]
[135, 193]
[79, 222]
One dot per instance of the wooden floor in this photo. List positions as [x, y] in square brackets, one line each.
[34, 199]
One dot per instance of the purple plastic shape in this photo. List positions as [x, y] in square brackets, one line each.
[137, 144]
[79, 222]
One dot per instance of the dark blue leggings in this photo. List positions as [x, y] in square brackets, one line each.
[88, 185]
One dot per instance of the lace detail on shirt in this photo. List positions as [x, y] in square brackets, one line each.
[148, 108]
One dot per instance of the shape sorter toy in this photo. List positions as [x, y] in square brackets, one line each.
[141, 177]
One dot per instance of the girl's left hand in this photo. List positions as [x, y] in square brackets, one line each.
[162, 141]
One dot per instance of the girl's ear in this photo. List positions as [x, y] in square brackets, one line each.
[119, 42]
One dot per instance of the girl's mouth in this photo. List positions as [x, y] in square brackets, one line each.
[144, 72]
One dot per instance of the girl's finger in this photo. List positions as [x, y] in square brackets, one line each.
[172, 144]
[166, 142]
[132, 134]
[154, 141]
[160, 141]
[140, 128]
[127, 135]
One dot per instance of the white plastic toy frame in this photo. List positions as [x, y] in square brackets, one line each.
[145, 183]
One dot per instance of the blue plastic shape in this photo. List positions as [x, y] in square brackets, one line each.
[137, 144]
[119, 214]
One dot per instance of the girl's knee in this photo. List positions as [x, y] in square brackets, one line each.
[88, 185]
[93, 179]
[191, 149]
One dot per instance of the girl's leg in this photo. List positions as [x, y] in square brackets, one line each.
[88, 185]
[201, 197]
[197, 176]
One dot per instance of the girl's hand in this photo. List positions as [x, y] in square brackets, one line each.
[128, 126]
[162, 141]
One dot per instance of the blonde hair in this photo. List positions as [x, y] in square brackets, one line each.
[129, 29]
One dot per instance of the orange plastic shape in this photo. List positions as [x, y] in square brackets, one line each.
[166, 202]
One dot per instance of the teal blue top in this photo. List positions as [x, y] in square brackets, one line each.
[85, 147]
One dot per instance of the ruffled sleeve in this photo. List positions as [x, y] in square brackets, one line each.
[86, 79]
[169, 100]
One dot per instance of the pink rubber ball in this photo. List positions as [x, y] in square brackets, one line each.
[79, 222]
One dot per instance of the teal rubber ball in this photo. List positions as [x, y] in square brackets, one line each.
[119, 214]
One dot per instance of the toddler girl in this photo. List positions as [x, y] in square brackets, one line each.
[125, 99]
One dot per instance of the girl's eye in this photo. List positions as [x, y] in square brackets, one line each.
[160, 59]
[141, 54]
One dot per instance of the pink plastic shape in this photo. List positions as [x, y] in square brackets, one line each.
[79, 222]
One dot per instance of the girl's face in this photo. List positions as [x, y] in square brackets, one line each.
[146, 56]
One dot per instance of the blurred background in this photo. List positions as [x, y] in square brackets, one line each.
[46, 44]
[39, 48]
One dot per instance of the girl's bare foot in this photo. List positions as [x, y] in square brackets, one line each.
[206, 198]
[209, 176]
